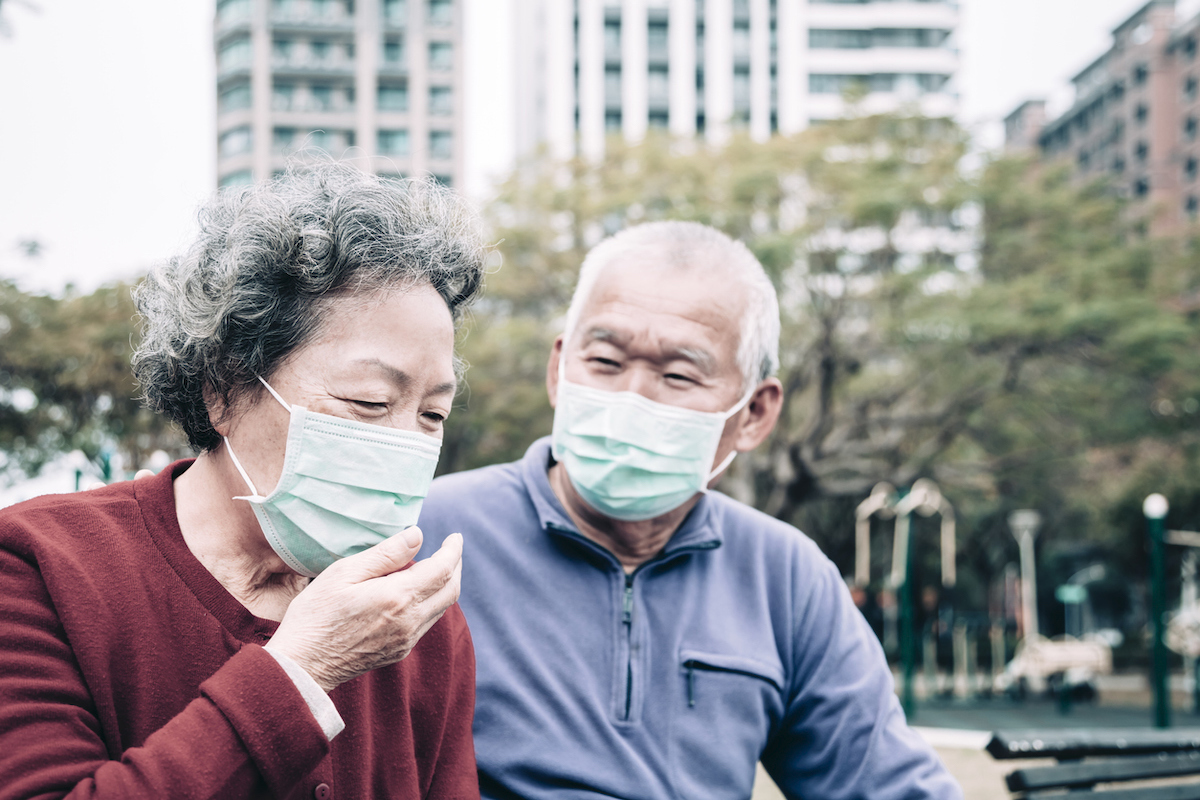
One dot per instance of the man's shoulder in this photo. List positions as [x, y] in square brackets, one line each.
[496, 481]
[745, 526]
[477, 501]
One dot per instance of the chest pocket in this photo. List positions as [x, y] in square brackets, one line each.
[724, 711]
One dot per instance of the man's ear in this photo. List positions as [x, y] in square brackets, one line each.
[552, 369]
[760, 415]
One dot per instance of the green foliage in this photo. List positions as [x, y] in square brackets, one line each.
[65, 382]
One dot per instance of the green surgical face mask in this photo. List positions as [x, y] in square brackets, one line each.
[346, 486]
[631, 458]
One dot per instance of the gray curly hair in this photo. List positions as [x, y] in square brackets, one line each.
[254, 286]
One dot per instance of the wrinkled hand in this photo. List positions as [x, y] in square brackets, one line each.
[362, 613]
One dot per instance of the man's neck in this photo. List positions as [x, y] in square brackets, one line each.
[633, 543]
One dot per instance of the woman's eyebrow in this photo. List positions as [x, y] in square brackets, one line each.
[402, 379]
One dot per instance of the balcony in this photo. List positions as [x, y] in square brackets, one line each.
[309, 66]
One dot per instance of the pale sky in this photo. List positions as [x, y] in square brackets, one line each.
[107, 114]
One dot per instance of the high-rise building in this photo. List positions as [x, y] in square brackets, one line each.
[590, 68]
[1134, 118]
[379, 81]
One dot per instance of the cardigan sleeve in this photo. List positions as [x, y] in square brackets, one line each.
[248, 729]
[454, 774]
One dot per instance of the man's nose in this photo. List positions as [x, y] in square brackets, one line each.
[643, 381]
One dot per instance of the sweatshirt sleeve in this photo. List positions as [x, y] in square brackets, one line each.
[248, 726]
[454, 774]
[844, 734]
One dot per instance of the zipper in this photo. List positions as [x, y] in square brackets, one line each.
[627, 618]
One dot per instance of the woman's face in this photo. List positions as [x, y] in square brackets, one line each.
[383, 359]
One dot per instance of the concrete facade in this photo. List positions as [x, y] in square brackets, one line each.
[707, 68]
[1134, 119]
[375, 81]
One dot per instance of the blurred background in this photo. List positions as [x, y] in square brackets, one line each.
[980, 217]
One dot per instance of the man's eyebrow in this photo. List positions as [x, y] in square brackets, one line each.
[402, 378]
[699, 357]
[598, 334]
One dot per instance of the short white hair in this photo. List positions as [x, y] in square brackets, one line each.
[694, 246]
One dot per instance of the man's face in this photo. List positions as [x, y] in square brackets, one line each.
[667, 333]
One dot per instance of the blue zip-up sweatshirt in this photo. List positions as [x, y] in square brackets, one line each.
[738, 642]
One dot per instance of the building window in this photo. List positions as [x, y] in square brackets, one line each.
[392, 142]
[1189, 48]
[281, 52]
[441, 145]
[741, 41]
[1191, 205]
[441, 12]
[1141, 152]
[1189, 168]
[441, 100]
[243, 177]
[1118, 165]
[282, 139]
[393, 52]
[232, 11]
[820, 83]
[827, 39]
[612, 40]
[1141, 113]
[444, 180]
[1189, 128]
[931, 82]
[1117, 92]
[234, 142]
[741, 89]
[658, 120]
[1190, 86]
[612, 87]
[235, 97]
[612, 121]
[441, 56]
[395, 11]
[1085, 159]
[392, 98]
[282, 97]
[656, 40]
[1140, 73]
[909, 37]
[658, 86]
[234, 53]
[1141, 187]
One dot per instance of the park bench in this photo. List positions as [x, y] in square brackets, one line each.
[1097, 761]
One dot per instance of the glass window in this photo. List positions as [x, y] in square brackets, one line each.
[1141, 151]
[928, 82]
[1191, 205]
[612, 121]
[234, 142]
[281, 51]
[243, 177]
[318, 51]
[282, 95]
[393, 142]
[820, 83]
[234, 53]
[612, 86]
[1190, 87]
[441, 56]
[1141, 187]
[320, 139]
[235, 97]
[441, 12]
[1140, 73]
[282, 139]
[658, 86]
[321, 8]
[393, 52]
[656, 39]
[441, 100]
[441, 144]
[1189, 128]
[823, 38]
[232, 10]
[444, 180]
[741, 89]
[741, 41]
[612, 40]
[1189, 168]
[1141, 112]
[395, 12]
[909, 37]
[658, 120]
[283, 8]
[393, 98]
[320, 98]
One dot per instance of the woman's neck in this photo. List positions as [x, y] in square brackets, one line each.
[224, 535]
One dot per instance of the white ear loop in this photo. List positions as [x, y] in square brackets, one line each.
[732, 453]
[254, 495]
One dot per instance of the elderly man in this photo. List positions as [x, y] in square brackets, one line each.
[637, 635]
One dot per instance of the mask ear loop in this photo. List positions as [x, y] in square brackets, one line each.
[254, 495]
[732, 453]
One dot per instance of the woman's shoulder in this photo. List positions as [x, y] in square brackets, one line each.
[63, 519]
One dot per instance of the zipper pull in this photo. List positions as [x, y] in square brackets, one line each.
[627, 616]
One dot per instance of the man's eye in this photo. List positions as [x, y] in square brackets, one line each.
[605, 362]
[675, 376]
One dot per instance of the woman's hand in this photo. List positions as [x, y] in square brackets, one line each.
[365, 612]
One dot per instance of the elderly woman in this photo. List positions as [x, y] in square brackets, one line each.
[242, 625]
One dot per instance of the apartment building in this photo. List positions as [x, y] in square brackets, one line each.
[1134, 117]
[378, 81]
[591, 68]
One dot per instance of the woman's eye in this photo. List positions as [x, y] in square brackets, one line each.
[369, 405]
[434, 417]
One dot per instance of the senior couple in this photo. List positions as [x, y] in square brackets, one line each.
[252, 622]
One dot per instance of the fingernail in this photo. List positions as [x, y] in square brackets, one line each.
[412, 536]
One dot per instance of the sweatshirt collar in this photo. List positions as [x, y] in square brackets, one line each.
[697, 532]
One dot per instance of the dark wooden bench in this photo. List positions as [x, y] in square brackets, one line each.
[1091, 761]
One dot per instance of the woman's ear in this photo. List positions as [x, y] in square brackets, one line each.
[218, 409]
